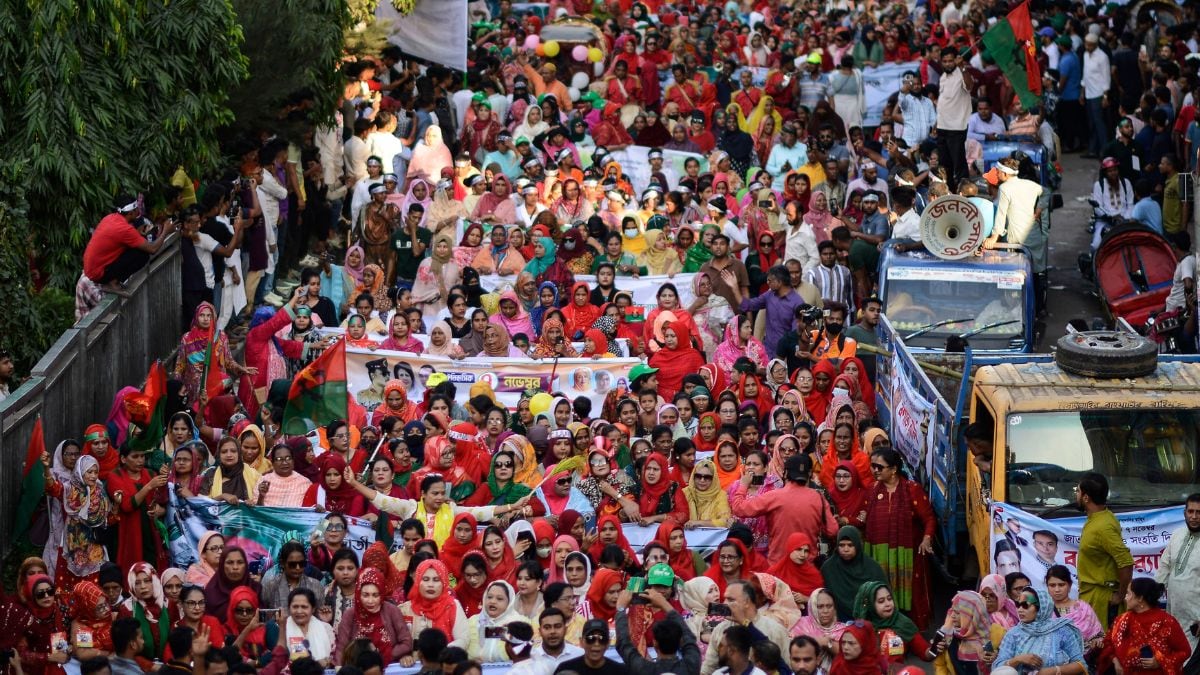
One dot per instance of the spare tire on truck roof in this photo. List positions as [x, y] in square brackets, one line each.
[1106, 354]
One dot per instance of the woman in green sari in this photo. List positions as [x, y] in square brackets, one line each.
[500, 488]
[701, 251]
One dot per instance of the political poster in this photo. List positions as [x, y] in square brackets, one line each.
[1023, 542]
[367, 372]
[258, 530]
[879, 83]
[644, 289]
[910, 421]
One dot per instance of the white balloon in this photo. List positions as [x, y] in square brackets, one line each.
[574, 93]
[580, 80]
[598, 68]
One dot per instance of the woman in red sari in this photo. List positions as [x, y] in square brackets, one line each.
[899, 534]
[501, 561]
[132, 490]
[1145, 625]
[333, 493]
[580, 312]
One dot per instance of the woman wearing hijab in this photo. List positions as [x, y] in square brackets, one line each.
[848, 569]
[498, 611]
[441, 342]
[659, 257]
[731, 561]
[797, 569]
[435, 275]
[844, 446]
[575, 253]
[470, 246]
[737, 143]
[333, 493]
[572, 206]
[209, 547]
[512, 316]
[88, 512]
[897, 632]
[91, 618]
[818, 216]
[708, 504]
[399, 339]
[858, 651]
[373, 284]
[658, 498]
[686, 563]
[848, 494]
[497, 206]
[431, 155]
[701, 251]
[1042, 638]
[676, 359]
[432, 604]
[62, 469]
[373, 619]
[231, 480]
[498, 344]
[45, 621]
[820, 622]
[579, 312]
[148, 605]
[395, 404]
[969, 632]
[1000, 606]
[353, 265]
[232, 572]
[192, 361]
[553, 342]
[739, 342]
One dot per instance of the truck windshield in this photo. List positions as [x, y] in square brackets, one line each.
[920, 296]
[1149, 456]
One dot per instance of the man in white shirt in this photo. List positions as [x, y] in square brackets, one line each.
[383, 143]
[908, 223]
[985, 125]
[868, 180]
[801, 244]
[1018, 216]
[953, 111]
[1097, 78]
[554, 649]
[356, 152]
[733, 655]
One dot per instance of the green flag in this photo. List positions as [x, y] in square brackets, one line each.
[318, 393]
[33, 485]
[1012, 46]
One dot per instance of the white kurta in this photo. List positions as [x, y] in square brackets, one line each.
[1179, 571]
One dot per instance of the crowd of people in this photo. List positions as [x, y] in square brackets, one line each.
[768, 186]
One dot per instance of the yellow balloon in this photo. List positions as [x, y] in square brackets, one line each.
[540, 403]
[595, 55]
[551, 48]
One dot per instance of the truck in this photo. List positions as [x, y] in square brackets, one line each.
[1104, 402]
[985, 301]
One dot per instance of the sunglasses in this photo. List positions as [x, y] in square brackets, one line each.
[703, 476]
[596, 639]
[243, 610]
[296, 564]
[563, 481]
[45, 593]
[1025, 604]
[337, 527]
[504, 465]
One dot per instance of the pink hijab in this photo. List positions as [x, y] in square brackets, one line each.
[820, 219]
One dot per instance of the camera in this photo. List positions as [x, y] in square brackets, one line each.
[810, 314]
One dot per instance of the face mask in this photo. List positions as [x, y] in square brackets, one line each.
[841, 392]
[569, 245]
[543, 551]
[630, 234]
[833, 328]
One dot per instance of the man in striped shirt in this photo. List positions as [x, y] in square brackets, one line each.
[831, 277]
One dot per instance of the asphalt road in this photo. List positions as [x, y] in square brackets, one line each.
[1070, 295]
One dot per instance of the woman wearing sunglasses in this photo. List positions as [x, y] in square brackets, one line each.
[278, 587]
[1041, 641]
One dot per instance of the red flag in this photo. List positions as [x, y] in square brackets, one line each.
[214, 384]
[33, 485]
[37, 447]
[1022, 28]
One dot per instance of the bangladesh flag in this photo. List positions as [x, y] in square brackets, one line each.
[33, 485]
[213, 384]
[318, 393]
[1012, 45]
[147, 411]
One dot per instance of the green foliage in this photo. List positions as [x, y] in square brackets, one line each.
[106, 96]
[24, 328]
[292, 46]
[367, 36]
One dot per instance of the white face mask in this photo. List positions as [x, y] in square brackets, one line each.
[841, 392]
[630, 234]
[569, 245]
[543, 551]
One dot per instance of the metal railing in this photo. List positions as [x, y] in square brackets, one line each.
[74, 383]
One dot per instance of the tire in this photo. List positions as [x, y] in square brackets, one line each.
[1106, 354]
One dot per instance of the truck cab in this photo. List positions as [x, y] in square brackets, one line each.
[985, 301]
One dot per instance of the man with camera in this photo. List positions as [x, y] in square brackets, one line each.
[116, 250]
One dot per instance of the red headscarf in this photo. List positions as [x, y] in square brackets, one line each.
[370, 624]
[865, 388]
[506, 569]
[651, 494]
[341, 499]
[598, 340]
[111, 459]
[439, 611]
[804, 578]
[579, 317]
[598, 546]
[683, 563]
[239, 595]
[376, 557]
[89, 607]
[817, 401]
[469, 597]
[717, 377]
[714, 570]
[452, 551]
[762, 401]
[870, 662]
[674, 364]
[850, 502]
[542, 529]
[701, 444]
[601, 581]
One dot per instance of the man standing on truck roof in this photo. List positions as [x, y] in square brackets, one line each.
[1179, 570]
[1105, 565]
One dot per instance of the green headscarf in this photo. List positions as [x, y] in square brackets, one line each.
[864, 608]
[698, 254]
[844, 579]
[539, 265]
[511, 493]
